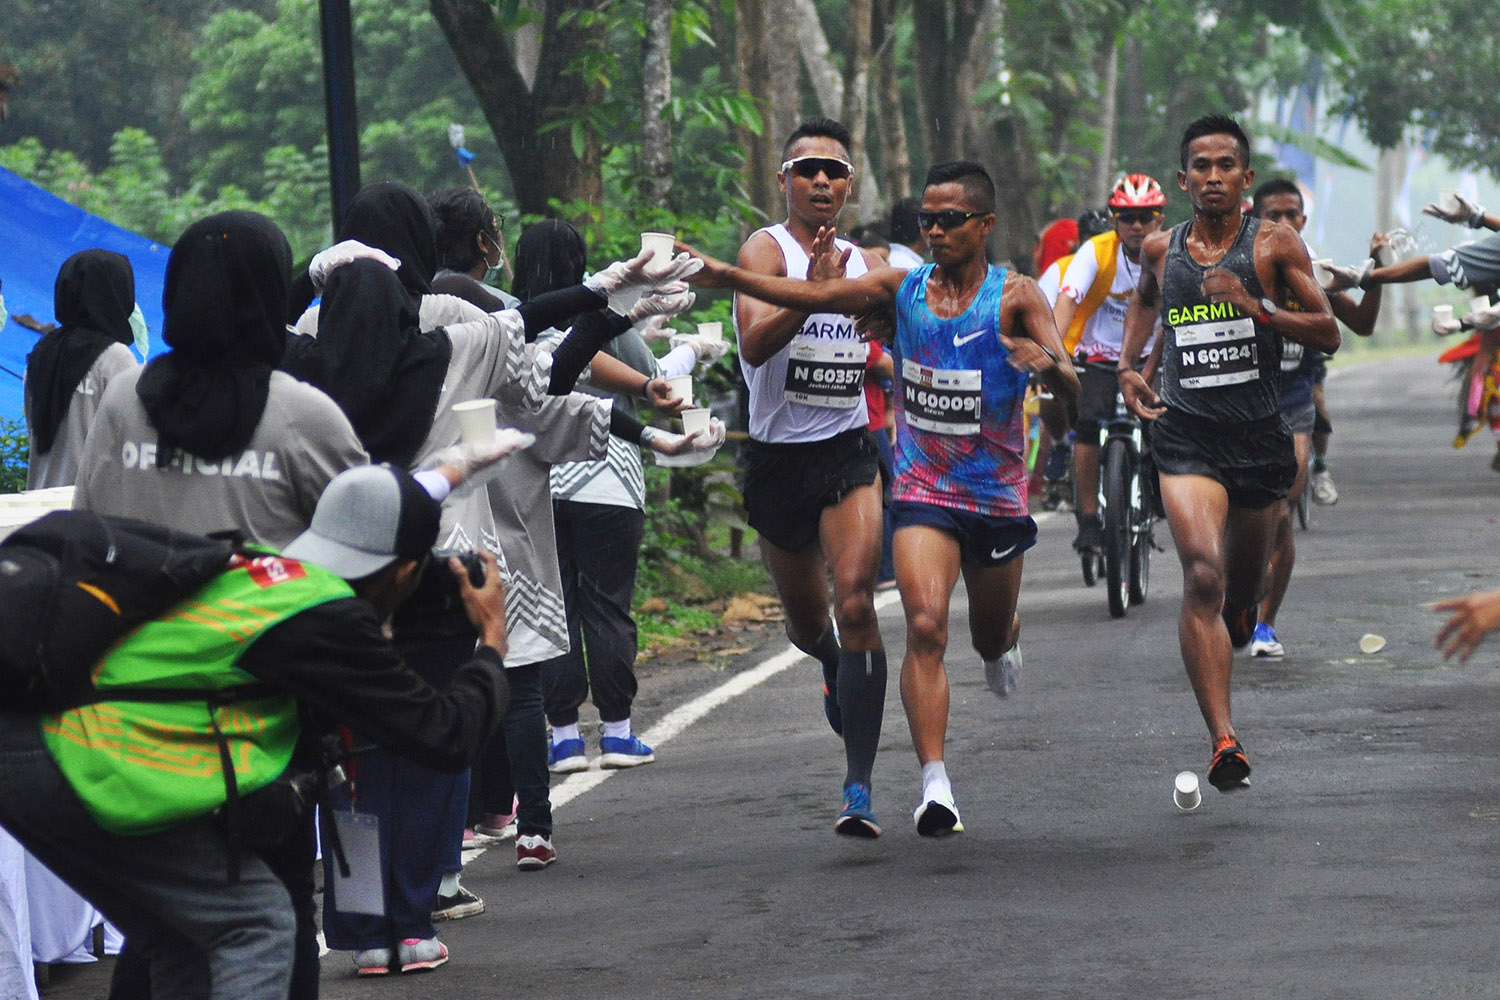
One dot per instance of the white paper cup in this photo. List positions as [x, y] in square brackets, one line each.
[1442, 314]
[1448, 200]
[1320, 270]
[476, 421]
[695, 419]
[1479, 303]
[1371, 643]
[682, 386]
[661, 243]
[1185, 791]
[715, 330]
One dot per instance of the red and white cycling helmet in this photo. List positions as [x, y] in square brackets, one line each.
[1137, 191]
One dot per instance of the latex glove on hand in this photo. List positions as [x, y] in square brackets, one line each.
[625, 281]
[1465, 213]
[473, 465]
[708, 347]
[1343, 278]
[666, 443]
[664, 300]
[324, 261]
[1445, 327]
[654, 328]
[1482, 319]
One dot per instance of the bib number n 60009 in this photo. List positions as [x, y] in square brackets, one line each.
[941, 400]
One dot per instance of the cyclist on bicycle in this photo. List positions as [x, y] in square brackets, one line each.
[1090, 312]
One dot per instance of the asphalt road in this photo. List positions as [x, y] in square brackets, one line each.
[1360, 863]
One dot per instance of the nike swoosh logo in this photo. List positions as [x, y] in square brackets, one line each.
[997, 554]
[959, 341]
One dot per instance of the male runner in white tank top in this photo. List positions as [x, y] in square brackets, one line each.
[811, 482]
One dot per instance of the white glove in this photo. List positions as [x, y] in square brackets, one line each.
[324, 261]
[1482, 319]
[1343, 278]
[477, 464]
[708, 348]
[664, 300]
[666, 443]
[653, 329]
[1467, 212]
[624, 281]
[1444, 327]
[711, 439]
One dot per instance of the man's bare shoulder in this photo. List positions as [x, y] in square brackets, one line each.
[762, 254]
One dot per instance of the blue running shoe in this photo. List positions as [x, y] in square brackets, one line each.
[1058, 461]
[566, 757]
[615, 752]
[856, 819]
[1263, 642]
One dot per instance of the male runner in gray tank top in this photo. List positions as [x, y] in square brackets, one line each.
[1219, 283]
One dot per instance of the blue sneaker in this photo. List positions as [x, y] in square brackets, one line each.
[566, 757]
[627, 752]
[1263, 642]
[856, 819]
[1058, 461]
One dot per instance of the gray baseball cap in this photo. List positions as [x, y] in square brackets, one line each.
[367, 518]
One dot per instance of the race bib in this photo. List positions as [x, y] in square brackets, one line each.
[940, 400]
[830, 374]
[1214, 354]
[1291, 355]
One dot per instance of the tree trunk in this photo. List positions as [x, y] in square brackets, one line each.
[865, 197]
[817, 56]
[1097, 191]
[895, 159]
[768, 71]
[1133, 100]
[542, 165]
[656, 128]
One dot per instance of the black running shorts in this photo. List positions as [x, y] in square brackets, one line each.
[786, 486]
[1254, 462]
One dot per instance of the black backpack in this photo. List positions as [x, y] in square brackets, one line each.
[72, 583]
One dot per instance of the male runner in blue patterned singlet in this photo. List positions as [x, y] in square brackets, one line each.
[967, 336]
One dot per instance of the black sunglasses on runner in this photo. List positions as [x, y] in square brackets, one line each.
[809, 167]
[1145, 216]
[948, 218]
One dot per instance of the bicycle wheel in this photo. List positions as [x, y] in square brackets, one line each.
[1117, 469]
[1142, 540]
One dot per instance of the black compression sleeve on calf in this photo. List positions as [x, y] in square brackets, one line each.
[555, 310]
[572, 356]
[861, 691]
[623, 425]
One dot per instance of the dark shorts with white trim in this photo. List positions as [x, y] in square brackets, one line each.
[982, 540]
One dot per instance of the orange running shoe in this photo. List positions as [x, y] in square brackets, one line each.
[1230, 769]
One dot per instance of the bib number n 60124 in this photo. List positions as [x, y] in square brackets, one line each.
[1214, 354]
[941, 400]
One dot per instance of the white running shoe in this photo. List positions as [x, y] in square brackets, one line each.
[1263, 642]
[937, 817]
[1004, 674]
[1323, 492]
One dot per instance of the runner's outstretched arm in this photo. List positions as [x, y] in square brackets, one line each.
[875, 289]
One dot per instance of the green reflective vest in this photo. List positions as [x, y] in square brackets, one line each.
[140, 765]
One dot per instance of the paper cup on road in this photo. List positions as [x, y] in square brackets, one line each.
[476, 421]
[1448, 200]
[695, 419]
[682, 386]
[661, 243]
[1371, 643]
[715, 330]
[1185, 791]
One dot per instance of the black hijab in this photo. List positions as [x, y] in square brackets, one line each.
[372, 358]
[549, 255]
[92, 300]
[225, 299]
[393, 217]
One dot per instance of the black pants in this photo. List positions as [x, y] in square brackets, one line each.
[598, 547]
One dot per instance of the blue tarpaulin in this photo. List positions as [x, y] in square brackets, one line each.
[38, 231]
